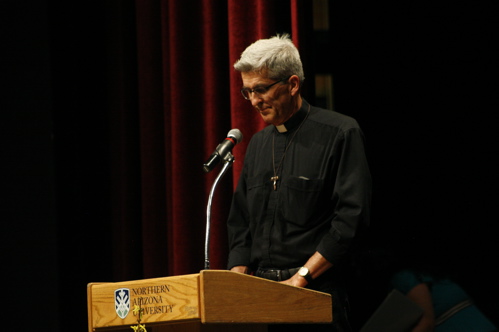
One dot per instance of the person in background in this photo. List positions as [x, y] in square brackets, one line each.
[418, 270]
[447, 307]
[304, 193]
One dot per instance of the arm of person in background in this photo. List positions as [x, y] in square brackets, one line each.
[421, 295]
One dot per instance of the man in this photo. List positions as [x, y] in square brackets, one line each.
[305, 188]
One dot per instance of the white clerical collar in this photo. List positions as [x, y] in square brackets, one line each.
[281, 128]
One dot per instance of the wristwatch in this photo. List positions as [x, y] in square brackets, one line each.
[305, 273]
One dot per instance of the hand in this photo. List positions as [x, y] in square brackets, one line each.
[296, 280]
[241, 269]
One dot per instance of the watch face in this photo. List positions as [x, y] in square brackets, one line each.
[303, 271]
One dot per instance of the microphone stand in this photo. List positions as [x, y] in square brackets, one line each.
[228, 160]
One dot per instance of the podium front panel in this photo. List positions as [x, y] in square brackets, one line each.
[168, 299]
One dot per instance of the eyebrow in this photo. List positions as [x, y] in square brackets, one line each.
[256, 86]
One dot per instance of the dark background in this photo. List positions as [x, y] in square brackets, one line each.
[420, 80]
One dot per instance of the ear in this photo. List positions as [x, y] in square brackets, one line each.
[294, 82]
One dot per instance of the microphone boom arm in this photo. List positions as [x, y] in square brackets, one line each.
[228, 160]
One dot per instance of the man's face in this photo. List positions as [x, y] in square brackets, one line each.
[274, 102]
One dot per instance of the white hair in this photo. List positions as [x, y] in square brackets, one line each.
[277, 56]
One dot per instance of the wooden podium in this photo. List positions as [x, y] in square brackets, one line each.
[212, 300]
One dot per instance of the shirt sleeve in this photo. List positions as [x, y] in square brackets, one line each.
[352, 196]
[406, 280]
[238, 227]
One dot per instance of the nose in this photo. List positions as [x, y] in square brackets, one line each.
[255, 99]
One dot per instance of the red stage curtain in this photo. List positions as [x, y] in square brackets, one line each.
[185, 101]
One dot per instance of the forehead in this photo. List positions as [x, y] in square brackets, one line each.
[252, 79]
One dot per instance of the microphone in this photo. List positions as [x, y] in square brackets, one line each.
[223, 149]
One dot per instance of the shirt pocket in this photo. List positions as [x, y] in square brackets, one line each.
[300, 198]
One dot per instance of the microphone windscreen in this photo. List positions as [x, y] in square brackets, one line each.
[236, 134]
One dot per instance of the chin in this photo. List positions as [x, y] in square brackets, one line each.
[268, 120]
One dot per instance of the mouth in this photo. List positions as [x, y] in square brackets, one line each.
[261, 109]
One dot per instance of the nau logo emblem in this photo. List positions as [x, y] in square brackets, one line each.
[122, 302]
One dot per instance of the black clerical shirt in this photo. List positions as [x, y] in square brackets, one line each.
[322, 194]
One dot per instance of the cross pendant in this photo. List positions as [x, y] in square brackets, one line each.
[274, 178]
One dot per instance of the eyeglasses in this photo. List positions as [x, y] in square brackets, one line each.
[260, 90]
